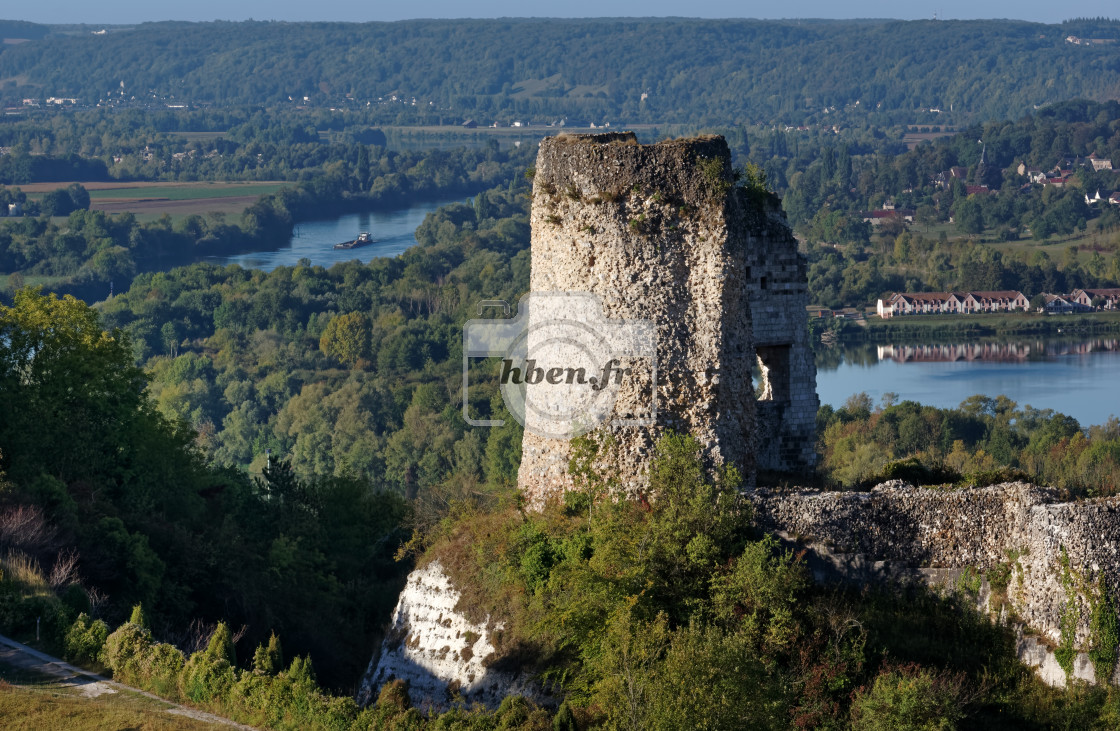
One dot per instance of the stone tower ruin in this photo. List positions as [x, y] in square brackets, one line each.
[661, 233]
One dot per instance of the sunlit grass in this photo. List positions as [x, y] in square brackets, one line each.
[34, 701]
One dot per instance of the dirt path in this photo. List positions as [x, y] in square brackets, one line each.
[90, 685]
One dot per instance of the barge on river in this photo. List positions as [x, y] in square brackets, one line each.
[364, 239]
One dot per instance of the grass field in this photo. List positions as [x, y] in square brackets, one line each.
[151, 200]
[32, 701]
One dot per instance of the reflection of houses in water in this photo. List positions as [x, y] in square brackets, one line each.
[954, 352]
[1083, 348]
[1012, 352]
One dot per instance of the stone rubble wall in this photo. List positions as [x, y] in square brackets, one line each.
[439, 651]
[896, 531]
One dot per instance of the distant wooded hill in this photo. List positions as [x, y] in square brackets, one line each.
[623, 71]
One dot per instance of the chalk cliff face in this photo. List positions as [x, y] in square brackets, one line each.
[439, 651]
[659, 233]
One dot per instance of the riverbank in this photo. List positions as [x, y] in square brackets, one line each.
[961, 328]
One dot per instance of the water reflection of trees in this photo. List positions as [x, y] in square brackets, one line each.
[830, 358]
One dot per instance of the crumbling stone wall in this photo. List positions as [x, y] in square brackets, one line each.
[895, 531]
[659, 232]
[778, 288]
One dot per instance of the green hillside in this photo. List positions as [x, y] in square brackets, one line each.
[679, 70]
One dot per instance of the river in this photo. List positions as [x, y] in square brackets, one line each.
[1080, 378]
[393, 232]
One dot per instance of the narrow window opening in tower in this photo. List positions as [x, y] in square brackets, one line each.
[773, 369]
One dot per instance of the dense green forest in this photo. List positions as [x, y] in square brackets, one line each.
[347, 370]
[106, 503]
[704, 71]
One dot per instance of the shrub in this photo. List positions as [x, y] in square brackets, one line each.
[206, 678]
[913, 471]
[270, 660]
[85, 640]
[161, 669]
[125, 650]
[910, 698]
[137, 618]
[220, 646]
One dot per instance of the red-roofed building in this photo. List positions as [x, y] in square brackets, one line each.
[1111, 297]
[997, 301]
[923, 303]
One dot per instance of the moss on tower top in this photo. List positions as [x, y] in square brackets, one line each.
[696, 170]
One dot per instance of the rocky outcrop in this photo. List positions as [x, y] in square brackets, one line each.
[440, 653]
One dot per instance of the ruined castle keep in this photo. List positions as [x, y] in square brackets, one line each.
[662, 233]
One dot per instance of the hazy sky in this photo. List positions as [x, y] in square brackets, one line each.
[133, 11]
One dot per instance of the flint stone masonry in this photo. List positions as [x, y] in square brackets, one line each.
[659, 232]
[438, 651]
[898, 532]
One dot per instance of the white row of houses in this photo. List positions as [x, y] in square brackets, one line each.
[929, 303]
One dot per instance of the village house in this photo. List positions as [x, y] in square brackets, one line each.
[875, 218]
[1085, 297]
[1056, 304]
[1099, 163]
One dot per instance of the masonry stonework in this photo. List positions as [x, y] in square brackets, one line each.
[660, 233]
[896, 532]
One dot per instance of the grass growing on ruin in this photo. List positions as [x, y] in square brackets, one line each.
[1104, 632]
